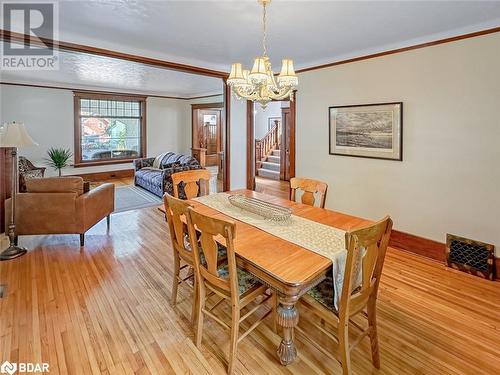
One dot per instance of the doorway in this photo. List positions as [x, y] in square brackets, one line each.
[207, 140]
[271, 146]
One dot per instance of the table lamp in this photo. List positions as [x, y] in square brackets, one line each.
[14, 136]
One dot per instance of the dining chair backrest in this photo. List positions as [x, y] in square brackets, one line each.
[196, 182]
[366, 248]
[210, 229]
[308, 187]
[176, 210]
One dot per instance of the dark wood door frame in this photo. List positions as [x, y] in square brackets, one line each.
[226, 136]
[251, 141]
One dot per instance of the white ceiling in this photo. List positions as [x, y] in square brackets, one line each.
[213, 34]
[84, 71]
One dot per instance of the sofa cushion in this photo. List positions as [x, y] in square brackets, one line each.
[55, 185]
[158, 160]
[171, 157]
[150, 179]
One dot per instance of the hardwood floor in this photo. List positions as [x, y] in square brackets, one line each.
[273, 187]
[105, 310]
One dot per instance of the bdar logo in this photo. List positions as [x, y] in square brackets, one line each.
[8, 368]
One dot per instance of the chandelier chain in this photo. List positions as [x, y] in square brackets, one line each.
[264, 21]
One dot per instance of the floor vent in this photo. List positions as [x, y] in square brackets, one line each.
[3, 290]
[470, 256]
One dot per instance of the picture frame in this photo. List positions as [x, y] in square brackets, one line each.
[367, 130]
[271, 121]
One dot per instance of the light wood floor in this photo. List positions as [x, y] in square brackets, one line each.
[105, 310]
[273, 187]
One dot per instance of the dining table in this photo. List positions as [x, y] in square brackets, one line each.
[288, 269]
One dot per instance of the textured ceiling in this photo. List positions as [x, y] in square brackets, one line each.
[84, 71]
[215, 33]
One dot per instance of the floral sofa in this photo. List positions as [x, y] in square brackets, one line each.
[158, 180]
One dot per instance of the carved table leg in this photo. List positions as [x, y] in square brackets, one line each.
[288, 318]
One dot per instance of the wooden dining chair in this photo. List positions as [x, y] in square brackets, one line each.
[366, 248]
[229, 283]
[308, 187]
[175, 213]
[195, 182]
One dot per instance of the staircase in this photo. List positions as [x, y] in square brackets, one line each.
[267, 154]
[270, 167]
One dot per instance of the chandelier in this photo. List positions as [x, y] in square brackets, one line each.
[260, 85]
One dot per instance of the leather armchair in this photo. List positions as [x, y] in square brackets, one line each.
[59, 205]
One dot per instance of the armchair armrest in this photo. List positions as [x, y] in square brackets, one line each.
[95, 205]
[143, 162]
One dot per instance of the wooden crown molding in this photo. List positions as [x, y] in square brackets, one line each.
[67, 46]
[404, 49]
[116, 93]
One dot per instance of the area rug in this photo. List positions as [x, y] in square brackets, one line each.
[132, 198]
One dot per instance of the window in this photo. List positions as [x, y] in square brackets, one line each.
[109, 128]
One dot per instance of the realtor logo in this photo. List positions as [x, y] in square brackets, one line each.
[23, 368]
[8, 368]
[38, 23]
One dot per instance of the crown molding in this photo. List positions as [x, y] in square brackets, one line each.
[67, 46]
[403, 49]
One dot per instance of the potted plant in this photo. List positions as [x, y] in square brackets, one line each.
[58, 158]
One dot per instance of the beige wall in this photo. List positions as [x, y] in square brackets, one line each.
[449, 179]
[48, 116]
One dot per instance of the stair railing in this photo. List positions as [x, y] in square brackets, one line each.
[265, 145]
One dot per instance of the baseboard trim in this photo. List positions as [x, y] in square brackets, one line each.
[426, 248]
[100, 176]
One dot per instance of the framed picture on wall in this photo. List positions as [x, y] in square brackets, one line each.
[367, 131]
[272, 121]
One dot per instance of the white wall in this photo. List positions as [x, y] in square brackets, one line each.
[238, 139]
[449, 179]
[168, 126]
[48, 116]
[261, 117]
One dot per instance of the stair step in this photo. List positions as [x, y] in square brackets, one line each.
[273, 159]
[276, 152]
[261, 172]
[271, 166]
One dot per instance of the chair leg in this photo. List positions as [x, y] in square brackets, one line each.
[175, 282]
[199, 315]
[345, 356]
[82, 239]
[372, 326]
[233, 346]
[108, 221]
[195, 301]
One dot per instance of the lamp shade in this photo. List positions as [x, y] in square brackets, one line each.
[259, 71]
[236, 76]
[15, 135]
[287, 75]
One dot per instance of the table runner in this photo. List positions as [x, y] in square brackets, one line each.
[322, 239]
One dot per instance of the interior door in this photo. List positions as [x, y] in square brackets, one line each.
[207, 134]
